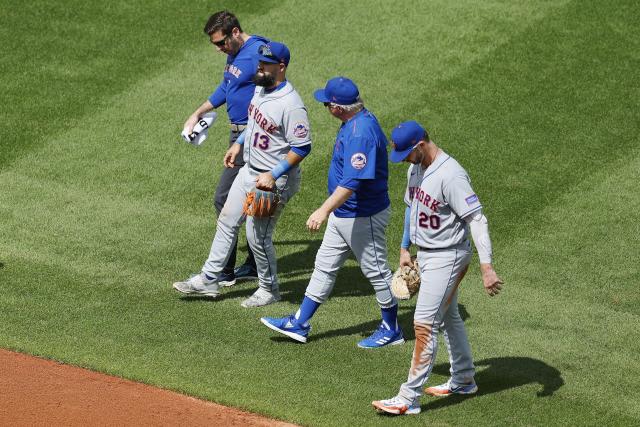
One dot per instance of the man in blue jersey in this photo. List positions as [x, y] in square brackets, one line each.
[357, 211]
[236, 90]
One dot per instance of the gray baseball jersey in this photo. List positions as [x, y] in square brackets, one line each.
[440, 196]
[277, 121]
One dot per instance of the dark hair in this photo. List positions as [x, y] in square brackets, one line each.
[224, 21]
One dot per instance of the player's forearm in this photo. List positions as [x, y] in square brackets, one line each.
[406, 240]
[292, 159]
[203, 109]
[337, 199]
[480, 234]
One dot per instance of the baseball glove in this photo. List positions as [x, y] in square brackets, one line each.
[406, 281]
[261, 204]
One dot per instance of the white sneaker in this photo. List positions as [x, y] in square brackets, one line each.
[198, 284]
[447, 389]
[396, 406]
[261, 297]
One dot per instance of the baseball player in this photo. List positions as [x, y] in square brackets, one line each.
[442, 211]
[276, 140]
[357, 211]
[236, 90]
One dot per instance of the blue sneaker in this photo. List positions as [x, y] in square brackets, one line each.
[245, 272]
[381, 337]
[287, 326]
[227, 279]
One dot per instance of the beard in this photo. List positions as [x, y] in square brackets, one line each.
[264, 79]
[419, 157]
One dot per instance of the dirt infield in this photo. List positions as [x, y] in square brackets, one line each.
[35, 391]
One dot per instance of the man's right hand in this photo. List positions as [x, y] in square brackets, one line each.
[190, 123]
[405, 258]
[230, 156]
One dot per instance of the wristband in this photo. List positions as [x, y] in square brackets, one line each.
[280, 169]
[240, 138]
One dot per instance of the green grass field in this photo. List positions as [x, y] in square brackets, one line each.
[101, 209]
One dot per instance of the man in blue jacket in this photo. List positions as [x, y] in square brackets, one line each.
[356, 211]
[236, 90]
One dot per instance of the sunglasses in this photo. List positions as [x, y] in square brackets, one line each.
[221, 42]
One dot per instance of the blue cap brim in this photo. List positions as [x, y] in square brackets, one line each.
[269, 60]
[320, 96]
[398, 156]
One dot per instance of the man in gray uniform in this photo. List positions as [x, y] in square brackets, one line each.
[277, 140]
[442, 211]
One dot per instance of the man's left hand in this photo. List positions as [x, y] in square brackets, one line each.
[492, 283]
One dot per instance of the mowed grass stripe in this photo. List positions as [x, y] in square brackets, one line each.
[545, 111]
[109, 237]
[62, 61]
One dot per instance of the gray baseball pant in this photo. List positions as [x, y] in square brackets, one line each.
[227, 177]
[259, 230]
[365, 237]
[441, 272]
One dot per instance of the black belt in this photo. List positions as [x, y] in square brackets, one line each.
[257, 169]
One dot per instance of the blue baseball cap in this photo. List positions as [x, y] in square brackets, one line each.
[339, 90]
[405, 136]
[274, 53]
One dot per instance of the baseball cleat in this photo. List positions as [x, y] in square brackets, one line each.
[198, 284]
[395, 406]
[287, 326]
[246, 272]
[260, 298]
[382, 337]
[447, 389]
[227, 279]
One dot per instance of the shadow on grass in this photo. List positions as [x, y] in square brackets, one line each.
[405, 320]
[1, 264]
[349, 282]
[504, 373]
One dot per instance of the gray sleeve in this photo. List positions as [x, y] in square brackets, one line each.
[460, 196]
[408, 195]
[296, 127]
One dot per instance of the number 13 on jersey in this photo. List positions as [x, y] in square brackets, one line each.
[260, 141]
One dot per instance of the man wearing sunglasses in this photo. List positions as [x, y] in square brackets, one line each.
[276, 140]
[357, 212]
[235, 90]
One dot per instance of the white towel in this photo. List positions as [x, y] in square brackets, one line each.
[201, 129]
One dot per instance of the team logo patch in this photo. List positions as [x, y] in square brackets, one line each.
[471, 199]
[300, 130]
[358, 161]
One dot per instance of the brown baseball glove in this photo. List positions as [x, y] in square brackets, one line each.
[406, 281]
[261, 204]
